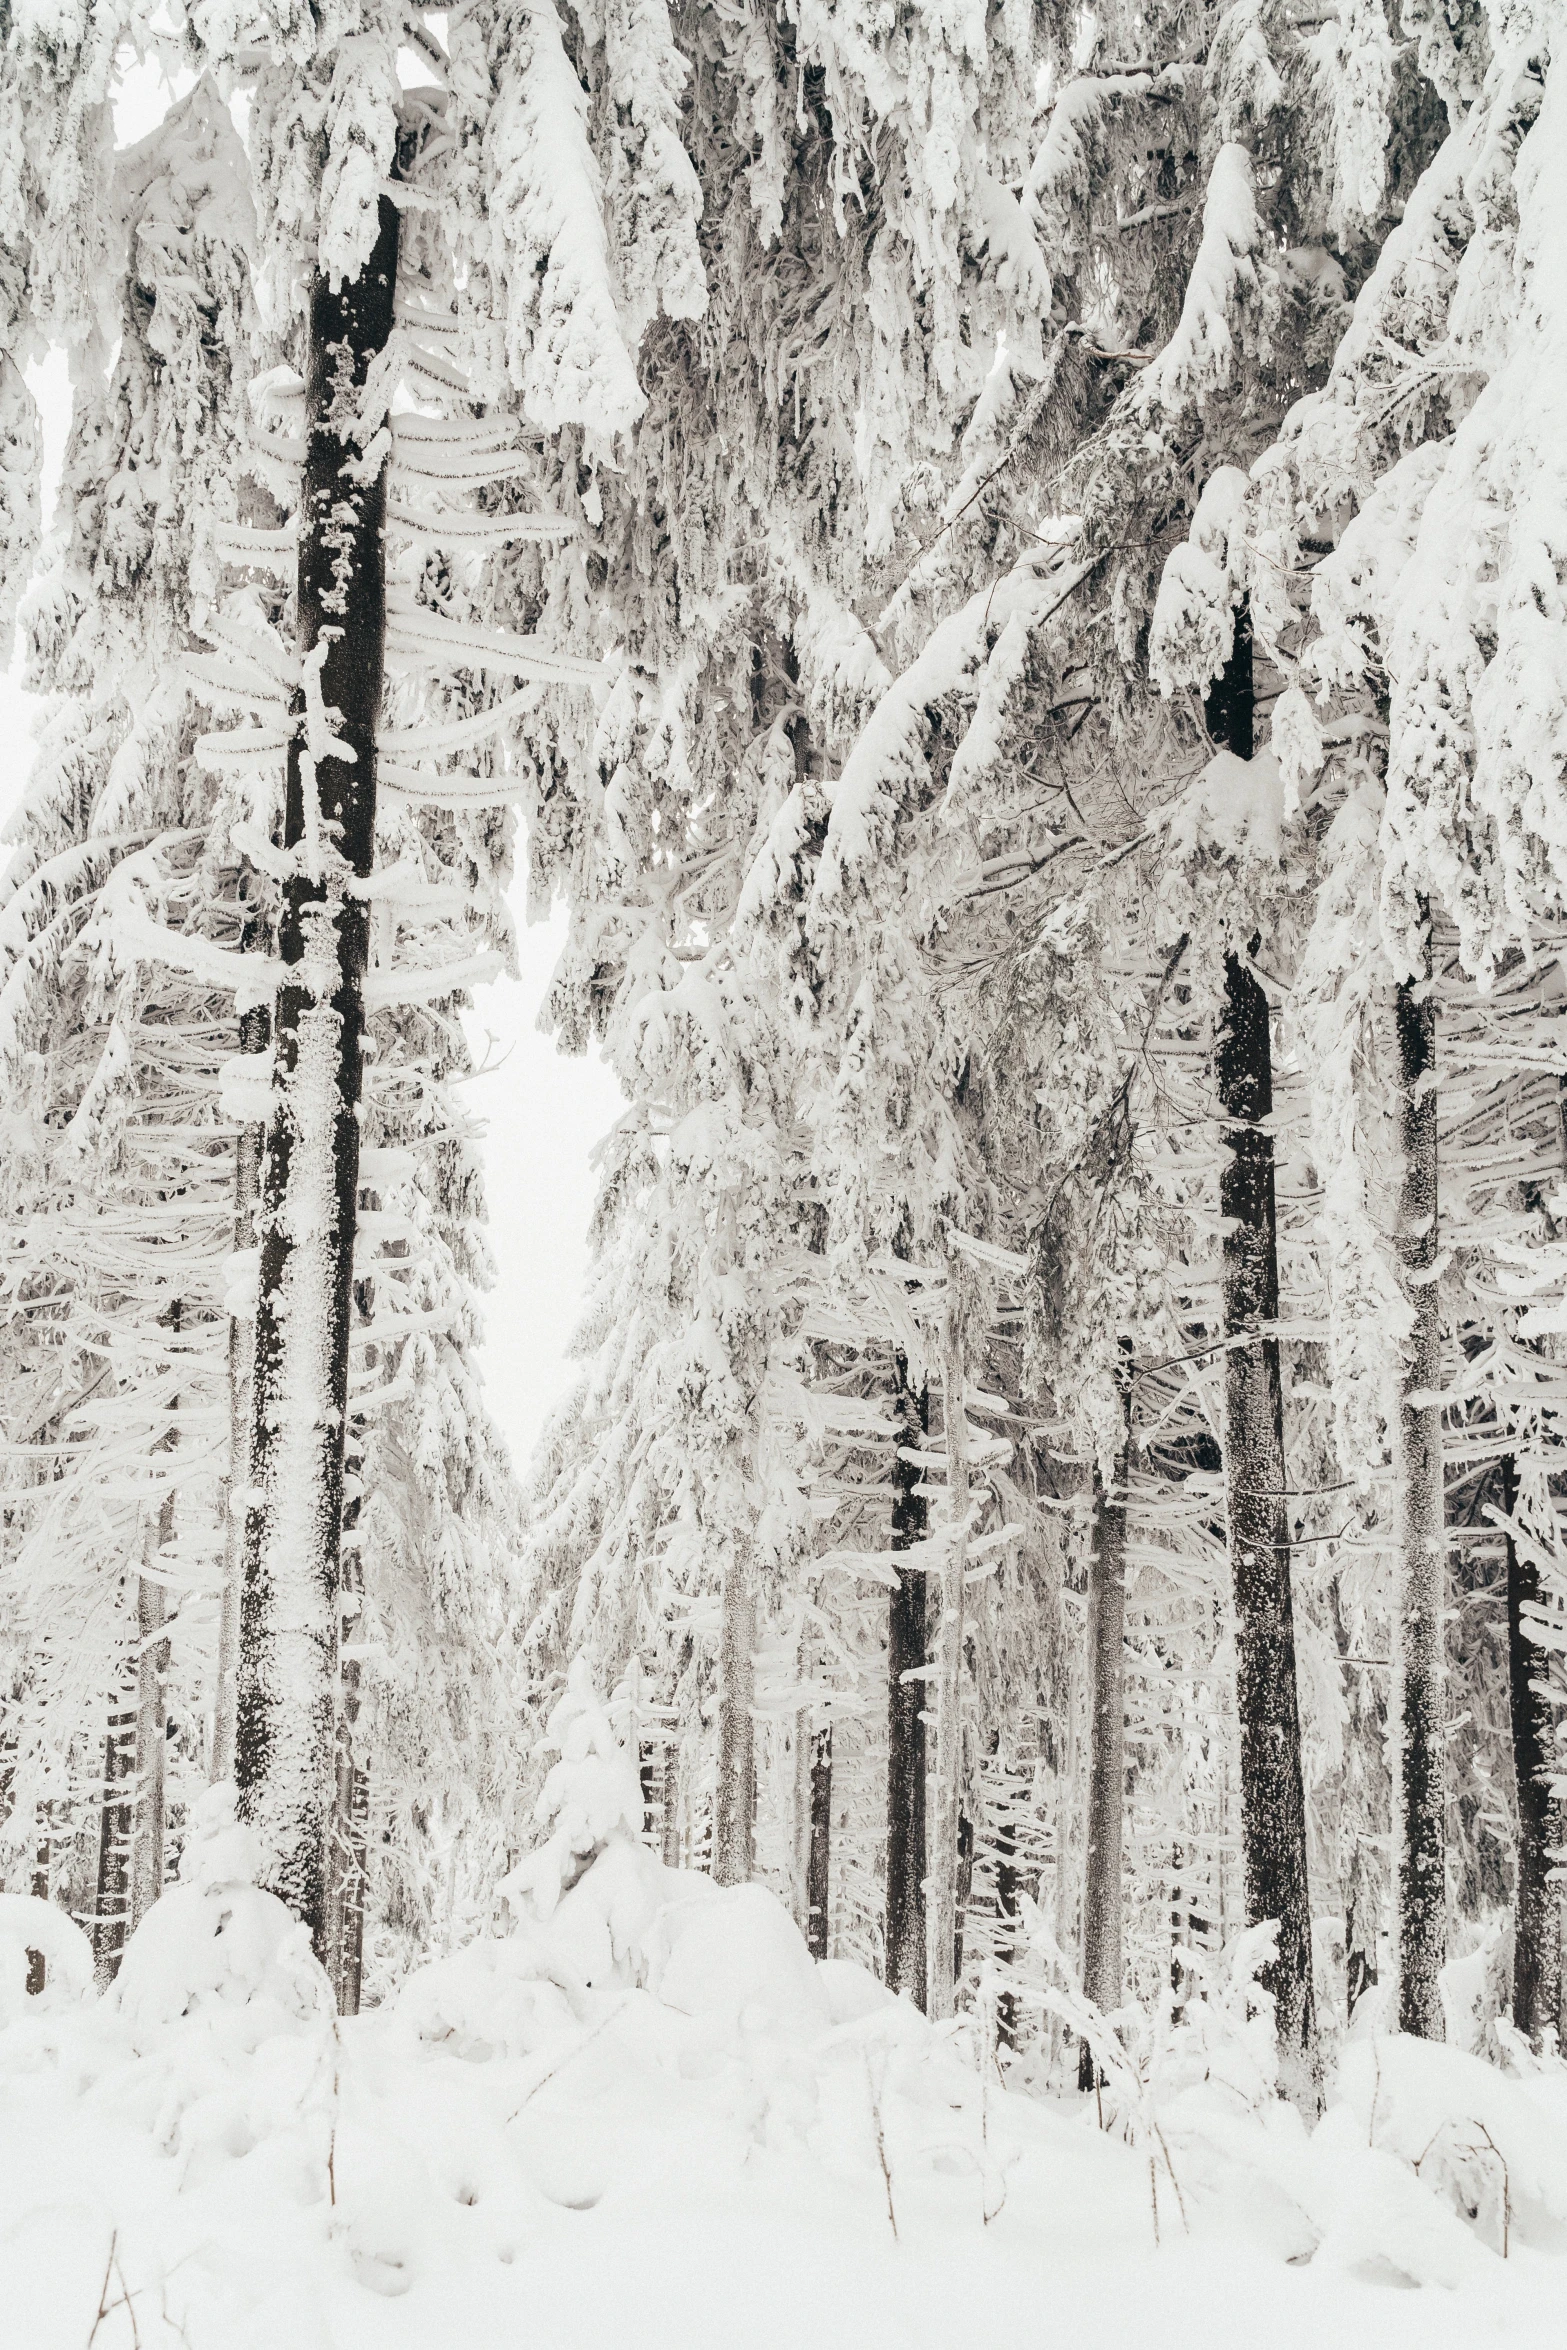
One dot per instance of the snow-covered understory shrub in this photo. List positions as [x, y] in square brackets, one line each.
[643, 2113]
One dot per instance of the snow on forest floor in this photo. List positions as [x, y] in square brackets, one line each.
[645, 2174]
[645, 2117]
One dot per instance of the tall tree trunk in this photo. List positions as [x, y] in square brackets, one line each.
[1102, 1958]
[1420, 1832]
[905, 1932]
[345, 1893]
[1362, 1926]
[1537, 1922]
[801, 1748]
[255, 1034]
[345, 1921]
[818, 1875]
[346, 1887]
[734, 1833]
[289, 1627]
[37, 1964]
[941, 1889]
[671, 1841]
[114, 1836]
[350, 1776]
[965, 1892]
[1273, 1796]
[1009, 1910]
[147, 1842]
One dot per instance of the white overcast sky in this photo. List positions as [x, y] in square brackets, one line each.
[543, 1113]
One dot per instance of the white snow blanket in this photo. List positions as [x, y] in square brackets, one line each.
[646, 2117]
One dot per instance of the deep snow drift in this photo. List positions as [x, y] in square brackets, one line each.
[643, 2115]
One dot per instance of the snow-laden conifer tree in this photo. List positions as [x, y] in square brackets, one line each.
[1425, 732]
[181, 536]
[124, 1157]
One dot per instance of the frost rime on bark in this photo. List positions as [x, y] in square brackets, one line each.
[1537, 1945]
[818, 1869]
[941, 1884]
[255, 1034]
[147, 1849]
[1272, 1785]
[289, 1612]
[1102, 1963]
[1422, 1880]
[905, 1923]
[734, 1834]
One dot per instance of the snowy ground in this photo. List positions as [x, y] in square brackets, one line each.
[643, 2116]
[517, 2153]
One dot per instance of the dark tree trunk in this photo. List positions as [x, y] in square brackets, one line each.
[1272, 1784]
[147, 1848]
[944, 1802]
[346, 1873]
[734, 1802]
[346, 1887]
[818, 1875]
[1537, 1941]
[965, 1890]
[1102, 1957]
[345, 1920]
[289, 1617]
[37, 1966]
[1420, 1839]
[906, 1758]
[1362, 1923]
[255, 1034]
[1009, 1885]
[111, 1908]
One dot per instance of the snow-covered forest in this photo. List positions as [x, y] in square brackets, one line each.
[1004, 569]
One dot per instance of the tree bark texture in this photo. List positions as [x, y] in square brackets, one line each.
[941, 1888]
[350, 1777]
[1537, 1919]
[1361, 1866]
[1102, 1956]
[965, 1892]
[255, 1034]
[1419, 1701]
[289, 1627]
[114, 1837]
[906, 1760]
[37, 1965]
[152, 1745]
[734, 1831]
[818, 1875]
[800, 1748]
[1362, 1921]
[1009, 1913]
[1273, 1796]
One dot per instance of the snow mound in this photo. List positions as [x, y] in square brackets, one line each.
[1473, 2136]
[217, 1950]
[596, 1911]
[28, 1925]
[740, 1959]
[852, 1992]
